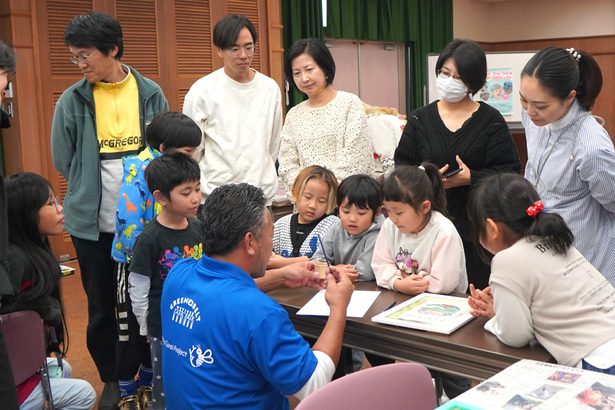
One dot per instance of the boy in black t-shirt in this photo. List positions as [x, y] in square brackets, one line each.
[174, 234]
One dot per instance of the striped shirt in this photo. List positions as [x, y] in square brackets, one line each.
[572, 164]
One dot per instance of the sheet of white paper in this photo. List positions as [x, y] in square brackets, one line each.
[360, 302]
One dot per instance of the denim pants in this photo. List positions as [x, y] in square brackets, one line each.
[67, 393]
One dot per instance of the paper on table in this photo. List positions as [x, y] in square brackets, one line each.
[360, 302]
[67, 270]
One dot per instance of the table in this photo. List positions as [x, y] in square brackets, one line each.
[470, 351]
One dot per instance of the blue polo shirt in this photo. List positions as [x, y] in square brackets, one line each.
[225, 343]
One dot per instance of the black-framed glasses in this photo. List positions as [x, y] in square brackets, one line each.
[83, 58]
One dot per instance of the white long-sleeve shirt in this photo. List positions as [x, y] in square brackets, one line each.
[242, 125]
[333, 136]
[437, 250]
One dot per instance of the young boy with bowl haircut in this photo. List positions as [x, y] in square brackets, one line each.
[174, 234]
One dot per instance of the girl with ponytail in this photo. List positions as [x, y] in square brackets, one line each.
[418, 248]
[571, 160]
[540, 286]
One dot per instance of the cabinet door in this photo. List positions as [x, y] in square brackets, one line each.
[373, 70]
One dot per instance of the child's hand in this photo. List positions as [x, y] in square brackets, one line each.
[412, 284]
[273, 260]
[350, 271]
[481, 302]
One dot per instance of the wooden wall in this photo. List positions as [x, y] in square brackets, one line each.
[169, 41]
[603, 50]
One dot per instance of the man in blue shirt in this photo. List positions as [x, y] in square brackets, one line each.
[225, 342]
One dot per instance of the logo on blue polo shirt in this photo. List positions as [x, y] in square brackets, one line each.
[185, 312]
[198, 356]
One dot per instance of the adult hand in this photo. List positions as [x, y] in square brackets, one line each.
[481, 302]
[462, 178]
[412, 284]
[301, 274]
[339, 289]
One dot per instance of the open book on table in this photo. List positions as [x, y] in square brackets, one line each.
[435, 313]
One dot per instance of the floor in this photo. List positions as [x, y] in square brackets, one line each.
[75, 305]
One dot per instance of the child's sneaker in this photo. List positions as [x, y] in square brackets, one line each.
[129, 403]
[145, 397]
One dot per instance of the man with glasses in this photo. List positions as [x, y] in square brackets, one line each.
[239, 111]
[98, 121]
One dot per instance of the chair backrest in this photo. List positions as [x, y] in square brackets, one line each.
[24, 337]
[406, 386]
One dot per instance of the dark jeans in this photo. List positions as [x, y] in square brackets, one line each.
[132, 349]
[452, 385]
[99, 282]
[8, 391]
[376, 360]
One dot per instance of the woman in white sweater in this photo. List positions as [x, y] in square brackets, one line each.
[540, 286]
[329, 128]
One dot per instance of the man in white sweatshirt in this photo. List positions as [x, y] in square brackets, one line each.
[239, 111]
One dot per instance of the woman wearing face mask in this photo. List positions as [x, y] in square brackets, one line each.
[571, 160]
[457, 132]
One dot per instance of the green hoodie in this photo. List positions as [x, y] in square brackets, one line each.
[75, 152]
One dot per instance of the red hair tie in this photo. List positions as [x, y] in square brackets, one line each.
[535, 209]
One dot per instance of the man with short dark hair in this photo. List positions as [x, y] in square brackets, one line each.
[225, 342]
[98, 121]
[8, 394]
[239, 111]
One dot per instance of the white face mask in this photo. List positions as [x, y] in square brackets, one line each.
[450, 89]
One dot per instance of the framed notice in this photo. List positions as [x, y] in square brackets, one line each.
[435, 313]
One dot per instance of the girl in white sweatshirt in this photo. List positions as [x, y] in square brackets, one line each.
[418, 249]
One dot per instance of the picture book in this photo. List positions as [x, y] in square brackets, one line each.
[435, 313]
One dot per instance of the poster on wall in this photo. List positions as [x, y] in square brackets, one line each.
[497, 91]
